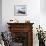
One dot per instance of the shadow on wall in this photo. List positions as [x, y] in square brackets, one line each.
[0, 15]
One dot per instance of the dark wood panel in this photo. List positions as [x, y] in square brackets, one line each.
[22, 27]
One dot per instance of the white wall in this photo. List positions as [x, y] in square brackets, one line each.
[33, 14]
[43, 6]
[33, 10]
[43, 14]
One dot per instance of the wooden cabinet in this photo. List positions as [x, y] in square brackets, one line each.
[22, 33]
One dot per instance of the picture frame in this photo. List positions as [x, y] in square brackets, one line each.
[20, 10]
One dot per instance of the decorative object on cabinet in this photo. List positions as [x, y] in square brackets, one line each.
[13, 21]
[27, 21]
[20, 10]
[22, 33]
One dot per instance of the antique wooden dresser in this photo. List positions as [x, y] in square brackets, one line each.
[22, 33]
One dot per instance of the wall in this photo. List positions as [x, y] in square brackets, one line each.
[43, 6]
[0, 15]
[34, 14]
[43, 14]
[33, 10]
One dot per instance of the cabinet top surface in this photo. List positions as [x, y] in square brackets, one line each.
[19, 23]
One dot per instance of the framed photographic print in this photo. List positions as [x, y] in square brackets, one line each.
[20, 10]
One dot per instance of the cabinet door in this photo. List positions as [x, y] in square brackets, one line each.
[20, 37]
